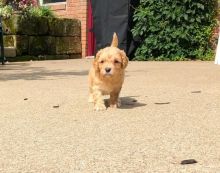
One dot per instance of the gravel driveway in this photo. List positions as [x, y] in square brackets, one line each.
[170, 112]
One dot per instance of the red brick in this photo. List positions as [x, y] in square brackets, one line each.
[76, 9]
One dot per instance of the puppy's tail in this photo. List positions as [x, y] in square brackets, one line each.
[114, 40]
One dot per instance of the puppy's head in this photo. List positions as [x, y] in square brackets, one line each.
[111, 61]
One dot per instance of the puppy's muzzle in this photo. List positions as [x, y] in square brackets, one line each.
[108, 70]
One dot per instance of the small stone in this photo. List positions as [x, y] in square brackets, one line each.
[189, 161]
[56, 106]
[25, 98]
[162, 103]
[196, 92]
[134, 100]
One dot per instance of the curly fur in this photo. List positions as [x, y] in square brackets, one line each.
[106, 75]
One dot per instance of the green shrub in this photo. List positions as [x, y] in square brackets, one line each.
[174, 30]
[21, 5]
[39, 12]
[28, 8]
[5, 11]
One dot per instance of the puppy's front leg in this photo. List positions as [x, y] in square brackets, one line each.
[98, 100]
[91, 96]
[114, 100]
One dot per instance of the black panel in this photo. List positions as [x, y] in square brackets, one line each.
[113, 16]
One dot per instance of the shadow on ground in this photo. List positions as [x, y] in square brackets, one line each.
[23, 71]
[130, 102]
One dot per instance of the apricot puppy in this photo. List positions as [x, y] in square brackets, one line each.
[107, 75]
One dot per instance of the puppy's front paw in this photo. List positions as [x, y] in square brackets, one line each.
[91, 99]
[119, 103]
[113, 105]
[99, 107]
[116, 105]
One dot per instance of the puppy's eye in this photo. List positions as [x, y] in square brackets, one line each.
[116, 62]
[102, 61]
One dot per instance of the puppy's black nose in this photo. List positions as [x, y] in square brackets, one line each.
[107, 69]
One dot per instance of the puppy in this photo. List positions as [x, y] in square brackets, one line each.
[107, 75]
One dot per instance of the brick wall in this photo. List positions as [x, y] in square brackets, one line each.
[74, 9]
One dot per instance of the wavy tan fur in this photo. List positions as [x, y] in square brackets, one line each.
[110, 83]
[114, 40]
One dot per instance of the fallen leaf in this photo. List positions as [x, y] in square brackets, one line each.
[56, 106]
[162, 103]
[189, 161]
[194, 92]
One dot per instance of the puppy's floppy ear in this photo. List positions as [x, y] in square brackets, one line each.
[114, 40]
[96, 60]
[124, 59]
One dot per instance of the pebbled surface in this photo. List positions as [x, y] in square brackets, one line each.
[47, 125]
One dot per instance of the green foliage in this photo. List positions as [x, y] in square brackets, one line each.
[5, 11]
[174, 30]
[28, 8]
[39, 12]
[20, 5]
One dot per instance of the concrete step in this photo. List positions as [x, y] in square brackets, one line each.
[9, 52]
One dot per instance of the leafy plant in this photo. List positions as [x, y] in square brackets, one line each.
[174, 30]
[22, 4]
[5, 11]
[27, 7]
[40, 12]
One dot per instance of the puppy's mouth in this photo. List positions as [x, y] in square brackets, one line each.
[108, 74]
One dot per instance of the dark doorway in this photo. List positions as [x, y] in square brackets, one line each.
[111, 16]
